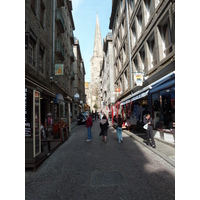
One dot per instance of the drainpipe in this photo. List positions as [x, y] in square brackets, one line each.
[129, 47]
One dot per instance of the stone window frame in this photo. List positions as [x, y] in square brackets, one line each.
[42, 59]
[139, 19]
[151, 51]
[141, 59]
[135, 64]
[125, 80]
[133, 36]
[32, 49]
[124, 53]
[42, 13]
[33, 6]
[164, 37]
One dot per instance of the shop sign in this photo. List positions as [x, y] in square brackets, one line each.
[59, 69]
[36, 124]
[118, 89]
[76, 96]
[138, 77]
[112, 99]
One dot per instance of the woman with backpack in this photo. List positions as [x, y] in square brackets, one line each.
[104, 127]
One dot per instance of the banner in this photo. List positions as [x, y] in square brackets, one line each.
[59, 69]
[138, 77]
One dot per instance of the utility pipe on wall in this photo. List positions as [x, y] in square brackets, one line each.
[129, 46]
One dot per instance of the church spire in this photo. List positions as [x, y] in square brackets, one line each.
[98, 49]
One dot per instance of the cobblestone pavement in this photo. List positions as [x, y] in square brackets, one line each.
[95, 170]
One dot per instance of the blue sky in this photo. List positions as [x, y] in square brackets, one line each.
[84, 14]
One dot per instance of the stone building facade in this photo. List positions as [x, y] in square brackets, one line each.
[49, 41]
[95, 62]
[38, 56]
[87, 96]
[63, 40]
[79, 80]
[151, 35]
[107, 75]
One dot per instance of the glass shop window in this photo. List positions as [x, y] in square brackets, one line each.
[167, 117]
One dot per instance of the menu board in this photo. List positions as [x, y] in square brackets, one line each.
[36, 123]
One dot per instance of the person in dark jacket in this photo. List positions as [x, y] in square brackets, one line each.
[119, 129]
[104, 127]
[89, 125]
[148, 120]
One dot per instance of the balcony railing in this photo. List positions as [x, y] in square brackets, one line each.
[60, 50]
[60, 20]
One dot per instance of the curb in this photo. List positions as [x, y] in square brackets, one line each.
[165, 142]
[74, 126]
[140, 140]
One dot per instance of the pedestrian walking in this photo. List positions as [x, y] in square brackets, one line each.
[148, 120]
[115, 122]
[89, 124]
[95, 115]
[110, 116]
[104, 127]
[119, 129]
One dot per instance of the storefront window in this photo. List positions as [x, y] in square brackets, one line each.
[168, 107]
[163, 109]
[28, 113]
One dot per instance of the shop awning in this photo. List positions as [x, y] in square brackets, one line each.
[144, 91]
[135, 97]
[59, 99]
[128, 98]
[125, 100]
[163, 86]
[139, 96]
[42, 88]
[161, 81]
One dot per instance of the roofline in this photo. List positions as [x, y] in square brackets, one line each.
[69, 5]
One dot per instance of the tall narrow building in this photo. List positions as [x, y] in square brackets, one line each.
[95, 63]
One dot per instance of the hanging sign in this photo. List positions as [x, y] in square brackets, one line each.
[138, 77]
[58, 69]
[118, 89]
[76, 96]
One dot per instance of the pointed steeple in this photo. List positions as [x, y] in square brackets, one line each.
[98, 49]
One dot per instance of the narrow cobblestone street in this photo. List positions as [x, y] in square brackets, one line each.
[95, 170]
